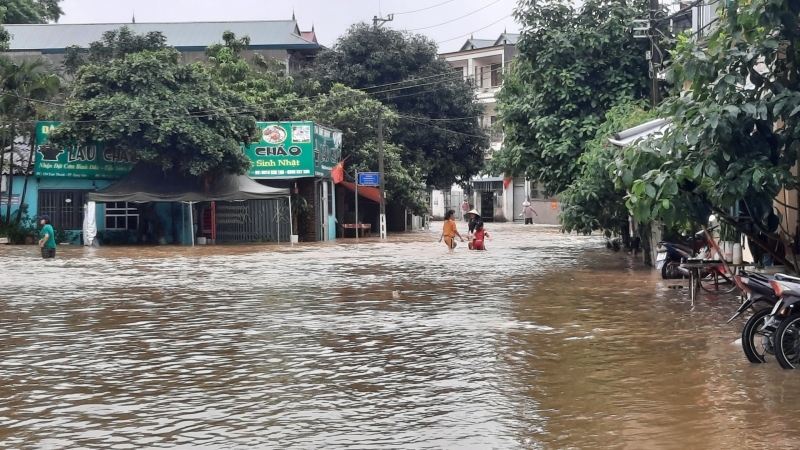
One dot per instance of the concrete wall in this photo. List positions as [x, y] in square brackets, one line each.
[548, 211]
[437, 205]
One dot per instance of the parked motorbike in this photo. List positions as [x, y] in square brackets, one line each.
[671, 255]
[784, 318]
[756, 291]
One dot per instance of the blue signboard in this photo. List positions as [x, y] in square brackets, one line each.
[368, 179]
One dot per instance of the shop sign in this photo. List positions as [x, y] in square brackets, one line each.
[94, 161]
[284, 150]
[14, 200]
[327, 149]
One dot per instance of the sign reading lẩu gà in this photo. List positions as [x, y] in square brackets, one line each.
[293, 150]
[94, 161]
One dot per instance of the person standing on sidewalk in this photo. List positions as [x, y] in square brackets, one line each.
[528, 212]
[48, 238]
[464, 209]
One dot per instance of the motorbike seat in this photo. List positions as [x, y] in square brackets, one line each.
[784, 277]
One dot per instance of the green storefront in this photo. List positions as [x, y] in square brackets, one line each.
[299, 155]
[304, 153]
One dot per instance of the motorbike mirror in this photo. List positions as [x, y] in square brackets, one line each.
[712, 218]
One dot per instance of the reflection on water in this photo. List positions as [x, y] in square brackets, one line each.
[544, 341]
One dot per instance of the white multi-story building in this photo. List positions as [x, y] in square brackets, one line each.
[496, 198]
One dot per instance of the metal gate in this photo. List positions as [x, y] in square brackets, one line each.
[253, 221]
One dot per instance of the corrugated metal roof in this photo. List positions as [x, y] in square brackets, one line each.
[54, 38]
[477, 43]
[510, 37]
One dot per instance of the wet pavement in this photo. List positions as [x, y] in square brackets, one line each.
[543, 341]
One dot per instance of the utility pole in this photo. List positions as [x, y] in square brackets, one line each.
[376, 23]
[655, 52]
[381, 174]
[376, 20]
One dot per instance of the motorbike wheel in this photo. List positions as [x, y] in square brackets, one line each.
[757, 342]
[669, 271]
[787, 342]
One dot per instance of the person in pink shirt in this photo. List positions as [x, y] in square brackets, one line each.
[464, 210]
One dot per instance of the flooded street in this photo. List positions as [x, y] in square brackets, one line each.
[545, 341]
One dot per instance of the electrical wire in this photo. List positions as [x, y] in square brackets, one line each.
[423, 9]
[446, 77]
[283, 104]
[456, 19]
[410, 119]
[470, 33]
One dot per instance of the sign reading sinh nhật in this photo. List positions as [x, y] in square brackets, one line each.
[294, 150]
[94, 161]
[285, 150]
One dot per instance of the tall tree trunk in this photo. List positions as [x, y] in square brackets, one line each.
[11, 173]
[28, 171]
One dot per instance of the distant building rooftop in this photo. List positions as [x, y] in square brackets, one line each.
[186, 36]
[472, 44]
[507, 38]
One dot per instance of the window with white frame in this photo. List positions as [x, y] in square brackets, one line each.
[122, 216]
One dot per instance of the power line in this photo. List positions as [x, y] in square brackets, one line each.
[470, 33]
[423, 9]
[230, 112]
[459, 18]
[412, 119]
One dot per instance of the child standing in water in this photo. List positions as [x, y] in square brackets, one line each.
[478, 237]
[449, 231]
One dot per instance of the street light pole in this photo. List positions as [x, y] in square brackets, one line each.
[381, 173]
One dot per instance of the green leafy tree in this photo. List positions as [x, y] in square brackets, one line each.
[31, 11]
[260, 82]
[573, 66]
[114, 44]
[437, 133]
[26, 90]
[593, 201]
[178, 116]
[356, 115]
[735, 132]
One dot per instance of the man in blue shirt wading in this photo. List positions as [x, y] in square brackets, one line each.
[48, 238]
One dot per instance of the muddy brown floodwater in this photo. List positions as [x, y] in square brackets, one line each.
[543, 341]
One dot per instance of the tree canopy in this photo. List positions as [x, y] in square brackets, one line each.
[260, 82]
[31, 11]
[593, 201]
[114, 44]
[574, 64]
[438, 133]
[149, 104]
[735, 132]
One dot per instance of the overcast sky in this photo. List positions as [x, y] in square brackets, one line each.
[330, 17]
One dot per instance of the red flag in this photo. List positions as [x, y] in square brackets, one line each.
[507, 182]
[337, 173]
